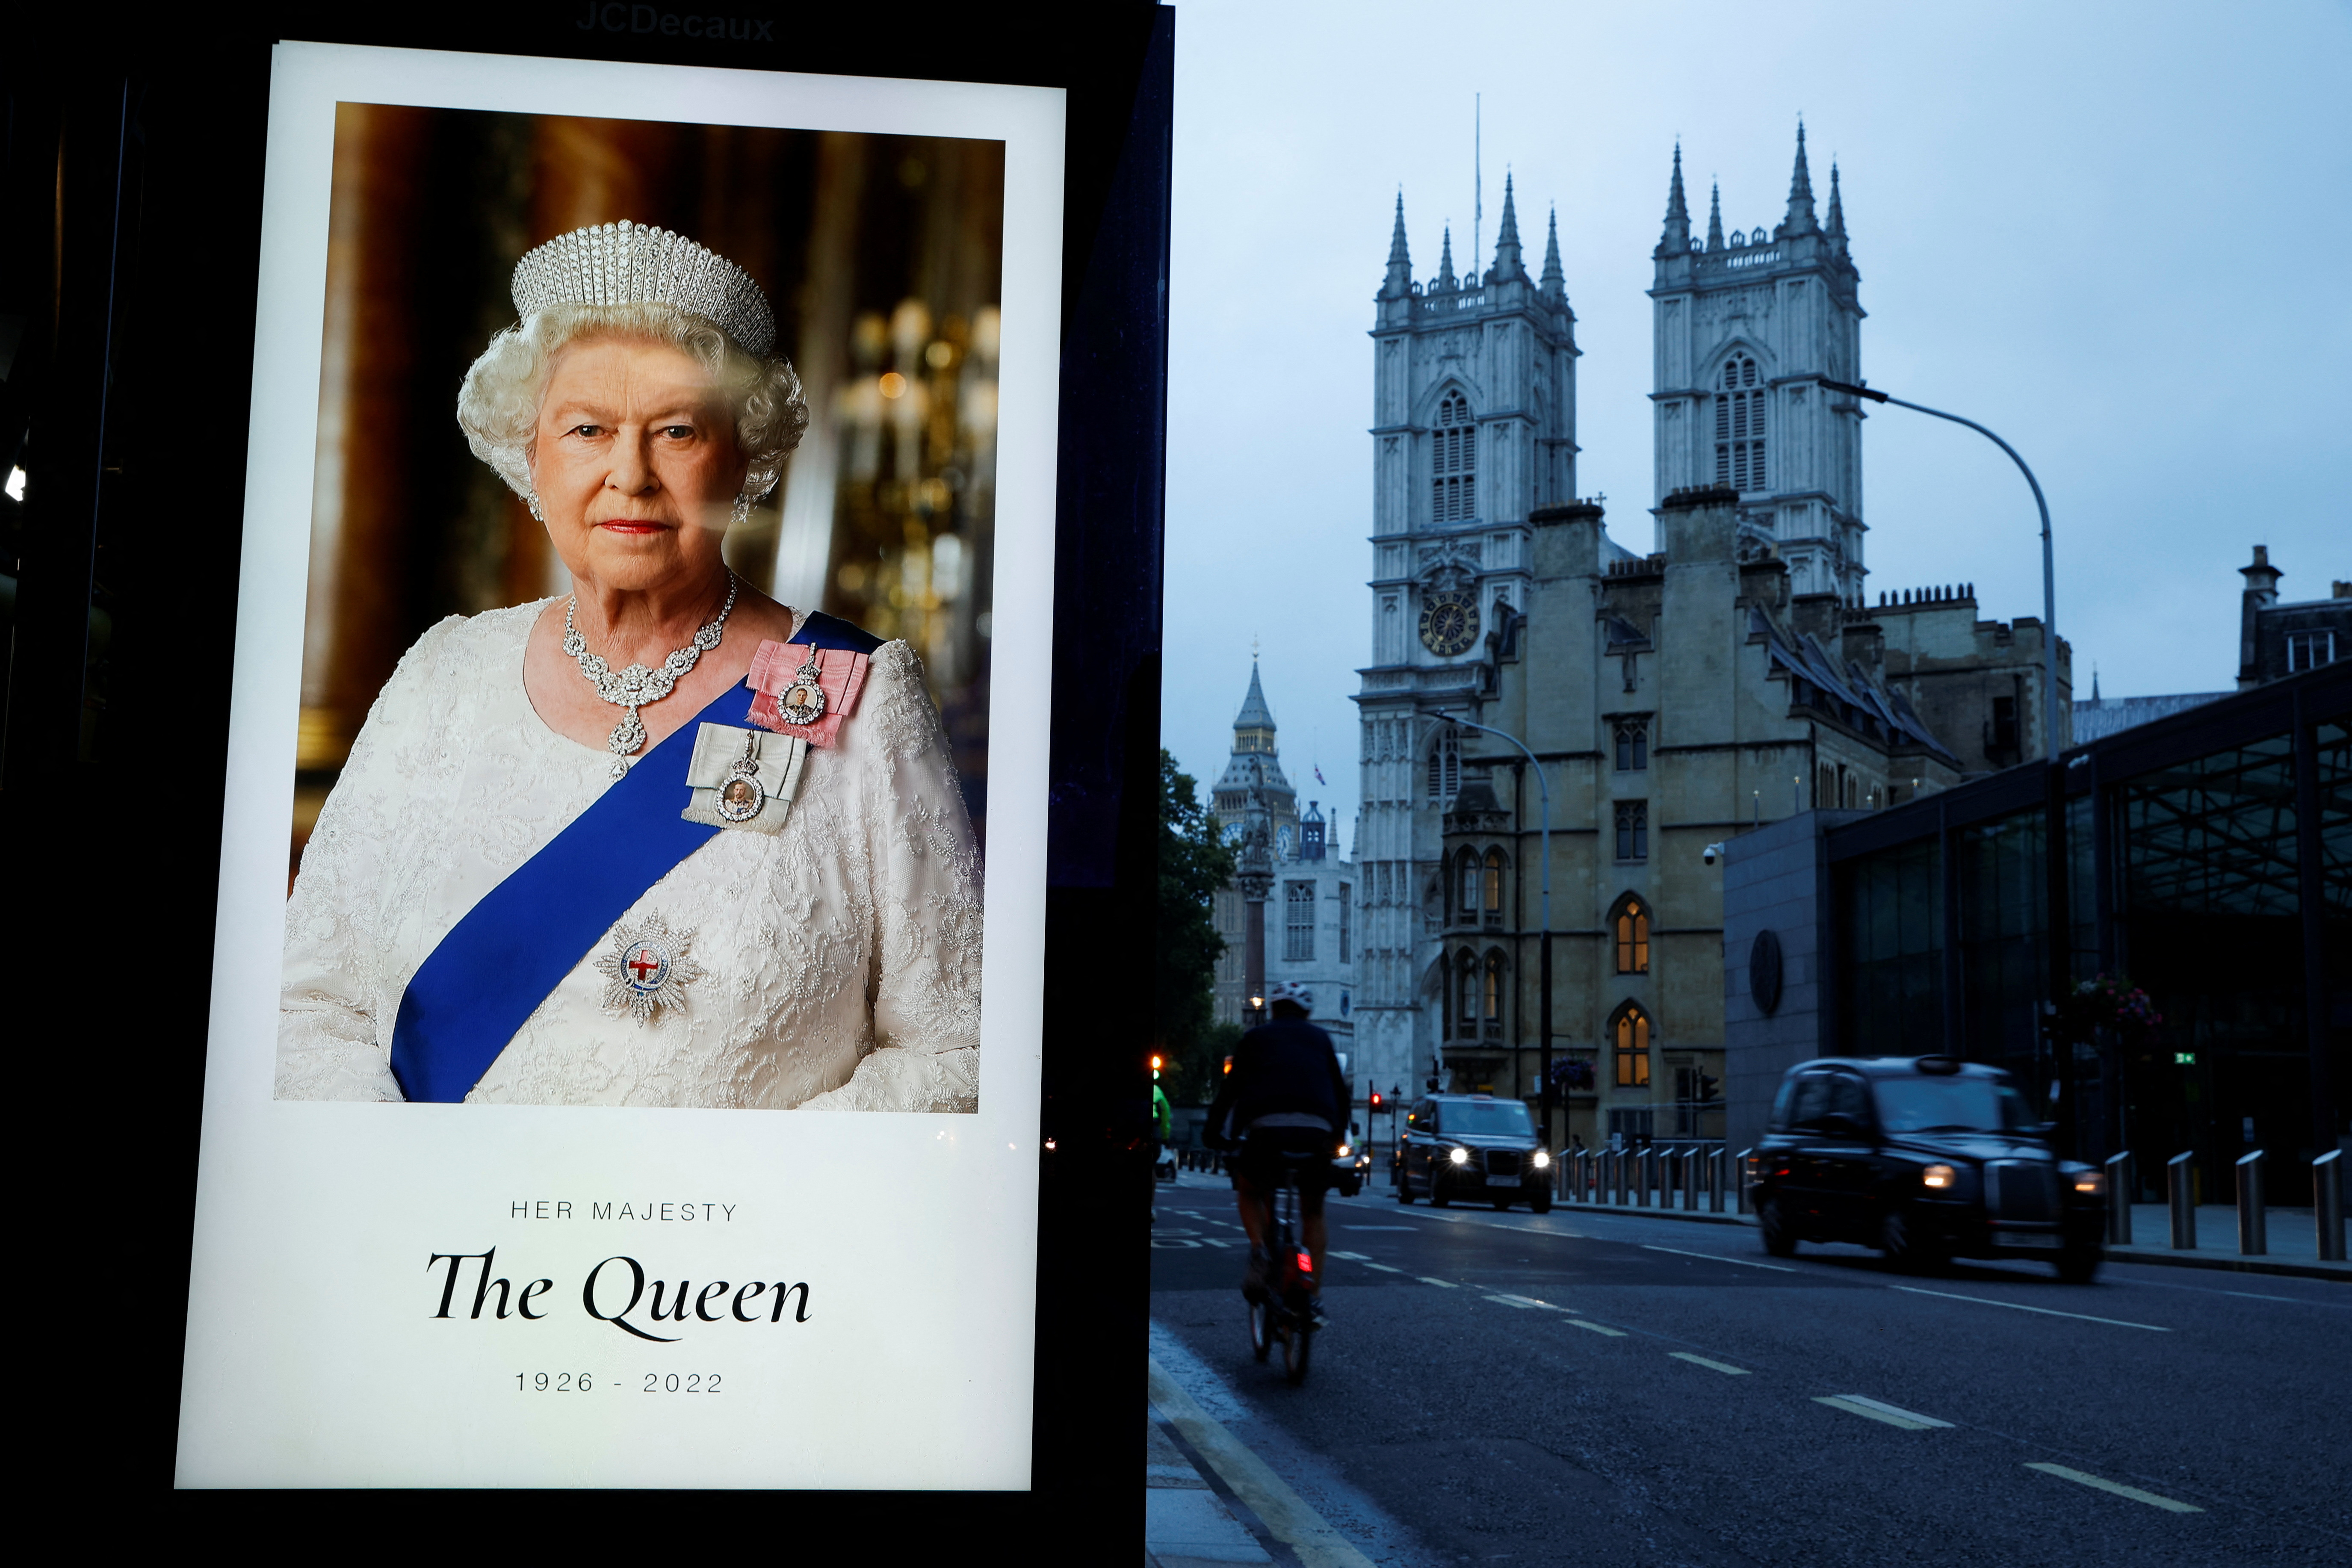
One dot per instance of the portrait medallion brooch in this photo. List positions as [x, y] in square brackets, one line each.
[743, 796]
[802, 701]
[647, 968]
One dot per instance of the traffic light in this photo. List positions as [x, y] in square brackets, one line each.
[1377, 1101]
[1707, 1087]
[1155, 1067]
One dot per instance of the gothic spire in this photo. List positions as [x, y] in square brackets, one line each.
[1445, 279]
[1507, 263]
[1399, 282]
[1255, 713]
[1555, 283]
[1801, 219]
[1836, 230]
[1676, 241]
[1715, 217]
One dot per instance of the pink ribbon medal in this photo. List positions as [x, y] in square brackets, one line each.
[805, 691]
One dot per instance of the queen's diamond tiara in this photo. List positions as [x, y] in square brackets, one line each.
[626, 263]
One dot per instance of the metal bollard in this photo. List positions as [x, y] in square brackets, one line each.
[1742, 1171]
[1715, 1180]
[2327, 1203]
[1690, 1181]
[2122, 1187]
[2180, 1192]
[1622, 1161]
[2253, 1238]
[1645, 1169]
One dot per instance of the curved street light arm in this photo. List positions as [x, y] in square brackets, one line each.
[2049, 568]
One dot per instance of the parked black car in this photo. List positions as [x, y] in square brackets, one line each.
[1924, 1158]
[1474, 1147]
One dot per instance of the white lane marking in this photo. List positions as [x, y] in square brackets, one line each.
[1879, 1410]
[1221, 1241]
[1352, 1256]
[1171, 1244]
[1383, 1267]
[2082, 1477]
[1521, 1301]
[1596, 1328]
[2249, 1296]
[1378, 1228]
[1717, 1257]
[1721, 1366]
[1441, 1284]
[2019, 1307]
[1285, 1514]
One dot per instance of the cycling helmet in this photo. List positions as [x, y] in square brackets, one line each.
[1294, 991]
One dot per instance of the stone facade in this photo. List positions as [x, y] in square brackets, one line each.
[1671, 700]
[1311, 912]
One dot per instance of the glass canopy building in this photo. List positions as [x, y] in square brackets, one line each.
[2207, 856]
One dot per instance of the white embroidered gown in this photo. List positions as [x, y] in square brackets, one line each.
[842, 955]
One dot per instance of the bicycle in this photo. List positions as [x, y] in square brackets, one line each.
[1281, 1314]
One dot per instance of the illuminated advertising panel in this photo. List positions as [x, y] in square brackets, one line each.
[623, 1058]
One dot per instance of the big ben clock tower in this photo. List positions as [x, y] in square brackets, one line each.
[1473, 426]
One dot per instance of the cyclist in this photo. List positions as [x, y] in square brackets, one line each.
[1286, 1095]
[1163, 1128]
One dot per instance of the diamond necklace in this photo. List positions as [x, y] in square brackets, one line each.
[634, 686]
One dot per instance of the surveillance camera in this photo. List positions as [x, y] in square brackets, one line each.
[1712, 851]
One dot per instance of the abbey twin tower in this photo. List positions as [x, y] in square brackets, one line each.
[1740, 670]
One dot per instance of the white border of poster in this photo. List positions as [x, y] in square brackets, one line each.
[314, 1355]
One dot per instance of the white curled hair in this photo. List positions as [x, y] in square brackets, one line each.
[498, 406]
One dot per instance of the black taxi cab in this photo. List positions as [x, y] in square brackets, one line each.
[1474, 1147]
[1924, 1158]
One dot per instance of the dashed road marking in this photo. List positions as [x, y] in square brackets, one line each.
[1380, 1228]
[1522, 1301]
[1722, 1366]
[2019, 1307]
[1596, 1328]
[2081, 1477]
[1717, 1257]
[1879, 1410]
[1352, 1256]
[1383, 1267]
[1441, 1284]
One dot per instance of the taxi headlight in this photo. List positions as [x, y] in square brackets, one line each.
[1345, 1151]
[1459, 1156]
[1938, 1178]
[2088, 1182]
[1542, 1159]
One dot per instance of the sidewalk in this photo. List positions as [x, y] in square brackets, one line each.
[1184, 1522]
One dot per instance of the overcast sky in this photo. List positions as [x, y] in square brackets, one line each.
[2121, 234]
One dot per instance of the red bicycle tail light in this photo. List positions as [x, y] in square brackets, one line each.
[1306, 1264]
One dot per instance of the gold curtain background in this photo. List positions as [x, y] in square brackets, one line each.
[882, 256]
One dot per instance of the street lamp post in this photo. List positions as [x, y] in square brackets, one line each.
[1544, 984]
[2049, 568]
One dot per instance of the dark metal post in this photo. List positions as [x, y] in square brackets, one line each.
[2311, 890]
[2120, 1184]
[2327, 1203]
[2253, 1234]
[2180, 1193]
[1741, 1164]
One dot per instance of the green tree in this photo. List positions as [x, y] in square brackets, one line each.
[1194, 864]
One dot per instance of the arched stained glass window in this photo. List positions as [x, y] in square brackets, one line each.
[1453, 462]
[1491, 899]
[1467, 881]
[1445, 766]
[1494, 992]
[1632, 1046]
[1632, 938]
[1739, 426]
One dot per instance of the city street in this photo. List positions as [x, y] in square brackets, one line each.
[1587, 1387]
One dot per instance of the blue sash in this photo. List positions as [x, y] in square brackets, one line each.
[497, 964]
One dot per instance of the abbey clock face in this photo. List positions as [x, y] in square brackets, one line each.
[1449, 623]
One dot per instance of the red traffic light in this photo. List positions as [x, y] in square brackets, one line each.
[1376, 1100]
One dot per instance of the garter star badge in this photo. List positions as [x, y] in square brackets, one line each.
[647, 968]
